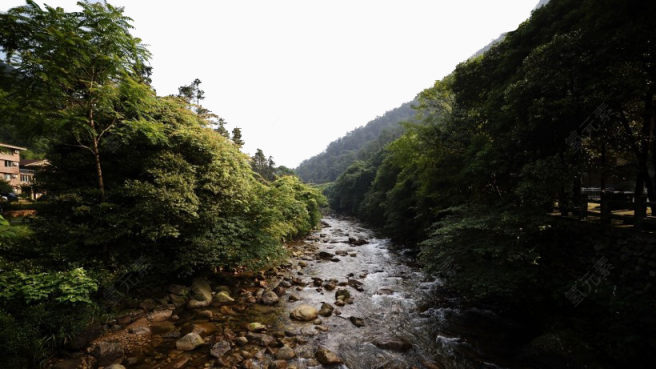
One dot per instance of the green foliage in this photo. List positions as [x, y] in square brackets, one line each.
[11, 237]
[71, 287]
[179, 194]
[40, 311]
[90, 72]
[348, 191]
[236, 137]
[294, 207]
[5, 187]
[132, 177]
[486, 254]
[263, 166]
[565, 101]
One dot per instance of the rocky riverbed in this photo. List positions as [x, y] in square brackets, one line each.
[344, 300]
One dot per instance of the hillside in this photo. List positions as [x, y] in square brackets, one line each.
[355, 145]
[360, 143]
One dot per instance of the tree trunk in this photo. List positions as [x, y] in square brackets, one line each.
[605, 206]
[650, 122]
[96, 154]
[101, 183]
[649, 143]
[639, 208]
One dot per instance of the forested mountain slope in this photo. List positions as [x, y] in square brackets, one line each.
[489, 189]
[365, 141]
[356, 145]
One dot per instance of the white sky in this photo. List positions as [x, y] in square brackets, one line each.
[296, 75]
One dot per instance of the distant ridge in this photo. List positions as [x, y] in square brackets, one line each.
[355, 145]
[364, 141]
[487, 47]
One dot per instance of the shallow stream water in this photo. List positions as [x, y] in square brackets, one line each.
[397, 301]
[402, 319]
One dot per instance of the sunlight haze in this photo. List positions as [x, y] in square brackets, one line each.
[296, 75]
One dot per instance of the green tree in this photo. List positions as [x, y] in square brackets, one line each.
[5, 187]
[192, 92]
[259, 162]
[93, 71]
[236, 137]
[221, 129]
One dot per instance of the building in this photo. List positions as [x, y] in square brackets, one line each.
[10, 165]
[28, 168]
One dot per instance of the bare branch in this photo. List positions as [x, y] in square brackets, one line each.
[110, 126]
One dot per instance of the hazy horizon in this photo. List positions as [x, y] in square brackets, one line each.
[294, 75]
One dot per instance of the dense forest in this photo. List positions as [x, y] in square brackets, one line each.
[506, 143]
[358, 144]
[134, 179]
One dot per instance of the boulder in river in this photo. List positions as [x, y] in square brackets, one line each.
[260, 339]
[279, 364]
[107, 352]
[327, 357]
[115, 366]
[358, 322]
[189, 342]
[392, 344]
[325, 255]
[285, 353]
[207, 314]
[357, 285]
[223, 297]
[291, 332]
[342, 294]
[160, 315]
[220, 348]
[326, 310]
[203, 328]
[195, 304]
[269, 298]
[299, 282]
[177, 300]
[280, 290]
[304, 313]
[227, 310]
[201, 290]
[330, 285]
[256, 327]
[357, 241]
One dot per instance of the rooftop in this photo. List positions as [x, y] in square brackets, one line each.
[12, 147]
[33, 162]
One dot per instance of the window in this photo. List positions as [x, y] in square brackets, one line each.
[7, 177]
[25, 178]
[9, 163]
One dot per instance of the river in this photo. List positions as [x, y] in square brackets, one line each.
[397, 301]
[396, 316]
